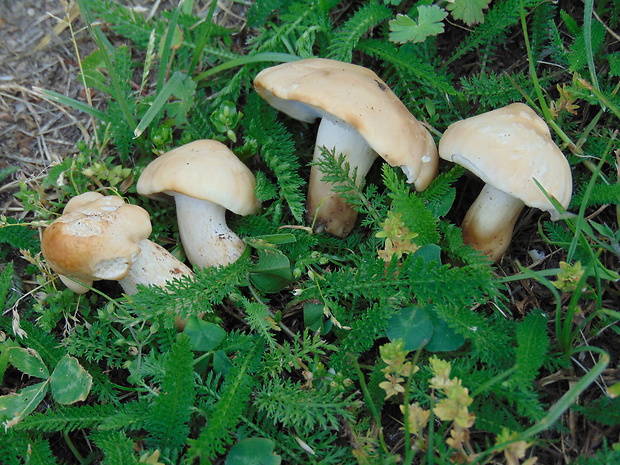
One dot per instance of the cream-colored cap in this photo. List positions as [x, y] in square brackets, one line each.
[322, 88]
[95, 238]
[508, 148]
[205, 170]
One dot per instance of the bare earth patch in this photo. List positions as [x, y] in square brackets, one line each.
[35, 133]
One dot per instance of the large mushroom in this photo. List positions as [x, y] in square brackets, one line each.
[509, 149]
[101, 237]
[206, 179]
[360, 119]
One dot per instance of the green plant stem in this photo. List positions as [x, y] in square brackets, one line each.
[105, 46]
[166, 50]
[571, 308]
[528, 274]
[371, 405]
[539, 93]
[245, 60]
[532, 67]
[409, 453]
[202, 39]
[588, 8]
[559, 328]
[73, 449]
[284, 328]
[496, 379]
[430, 457]
[559, 407]
[578, 235]
[78, 105]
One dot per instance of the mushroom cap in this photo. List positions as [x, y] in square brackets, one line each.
[508, 148]
[205, 170]
[322, 88]
[95, 238]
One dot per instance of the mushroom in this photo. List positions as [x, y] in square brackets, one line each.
[101, 237]
[360, 119]
[206, 179]
[509, 149]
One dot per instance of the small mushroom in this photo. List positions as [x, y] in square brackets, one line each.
[206, 179]
[101, 237]
[360, 119]
[508, 149]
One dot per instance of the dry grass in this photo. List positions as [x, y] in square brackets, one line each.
[35, 133]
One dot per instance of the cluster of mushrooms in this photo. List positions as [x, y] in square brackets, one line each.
[103, 238]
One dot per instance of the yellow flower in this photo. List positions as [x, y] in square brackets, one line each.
[151, 458]
[441, 370]
[398, 239]
[568, 277]
[394, 355]
[392, 386]
[458, 393]
[449, 410]
[515, 450]
[417, 418]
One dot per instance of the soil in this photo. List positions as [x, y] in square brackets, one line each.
[35, 133]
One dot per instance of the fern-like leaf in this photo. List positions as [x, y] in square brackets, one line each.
[116, 447]
[291, 355]
[167, 420]
[499, 18]
[19, 236]
[416, 216]
[121, 131]
[278, 151]
[6, 278]
[126, 22]
[66, 419]
[344, 40]
[457, 250]
[188, 297]
[427, 282]
[260, 320]
[601, 194]
[532, 344]
[225, 415]
[494, 90]
[406, 65]
[13, 447]
[542, 19]
[336, 170]
[365, 328]
[603, 410]
[260, 10]
[304, 409]
[39, 453]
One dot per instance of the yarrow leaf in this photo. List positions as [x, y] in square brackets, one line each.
[403, 29]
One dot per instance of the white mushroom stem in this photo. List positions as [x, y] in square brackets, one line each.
[490, 221]
[334, 215]
[74, 285]
[155, 266]
[206, 238]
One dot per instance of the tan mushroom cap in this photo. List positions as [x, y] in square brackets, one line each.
[508, 148]
[320, 88]
[95, 238]
[205, 170]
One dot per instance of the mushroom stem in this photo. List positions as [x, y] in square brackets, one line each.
[334, 215]
[155, 266]
[489, 222]
[74, 285]
[206, 238]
